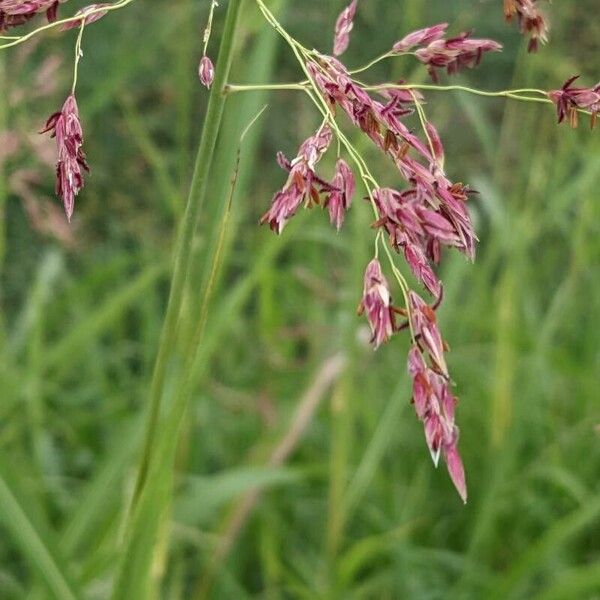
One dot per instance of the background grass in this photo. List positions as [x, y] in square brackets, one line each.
[301, 470]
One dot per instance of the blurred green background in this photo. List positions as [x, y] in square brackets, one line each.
[302, 471]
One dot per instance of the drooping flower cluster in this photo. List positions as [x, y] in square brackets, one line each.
[381, 122]
[569, 100]
[432, 397]
[531, 20]
[452, 54]
[432, 211]
[421, 37]
[429, 214]
[343, 27]
[66, 128]
[417, 230]
[340, 197]
[18, 12]
[376, 304]
[303, 185]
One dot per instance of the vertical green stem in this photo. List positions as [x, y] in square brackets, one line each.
[183, 251]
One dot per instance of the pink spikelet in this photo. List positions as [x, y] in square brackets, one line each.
[343, 27]
[437, 52]
[432, 398]
[340, 198]
[90, 18]
[455, 54]
[531, 20]
[376, 304]
[302, 185]
[206, 71]
[65, 126]
[568, 100]
[17, 12]
[421, 37]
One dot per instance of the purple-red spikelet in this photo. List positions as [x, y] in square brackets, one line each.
[427, 333]
[432, 398]
[421, 37]
[418, 228]
[340, 198]
[66, 128]
[89, 19]
[18, 12]
[206, 71]
[343, 27]
[455, 53]
[569, 100]
[531, 20]
[376, 304]
[432, 212]
[302, 185]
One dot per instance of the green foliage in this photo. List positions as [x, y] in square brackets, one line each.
[291, 478]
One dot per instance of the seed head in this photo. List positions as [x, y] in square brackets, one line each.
[302, 185]
[531, 20]
[66, 128]
[421, 37]
[569, 100]
[343, 27]
[435, 406]
[340, 198]
[456, 53]
[377, 304]
[206, 71]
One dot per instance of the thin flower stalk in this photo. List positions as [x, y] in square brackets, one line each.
[18, 12]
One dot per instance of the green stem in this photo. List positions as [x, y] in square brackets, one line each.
[302, 85]
[517, 94]
[378, 59]
[183, 252]
[208, 29]
[232, 89]
[78, 55]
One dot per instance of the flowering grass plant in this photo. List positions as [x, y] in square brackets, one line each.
[413, 224]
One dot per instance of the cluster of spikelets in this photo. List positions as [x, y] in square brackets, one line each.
[531, 20]
[428, 214]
